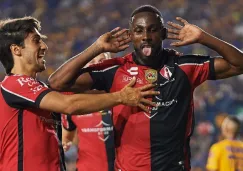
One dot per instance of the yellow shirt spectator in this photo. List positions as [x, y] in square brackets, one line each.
[226, 155]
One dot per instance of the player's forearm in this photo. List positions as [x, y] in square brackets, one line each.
[67, 136]
[87, 103]
[230, 53]
[67, 73]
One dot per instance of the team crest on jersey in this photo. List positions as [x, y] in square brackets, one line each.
[104, 132]
[151, 75]
[166, 72]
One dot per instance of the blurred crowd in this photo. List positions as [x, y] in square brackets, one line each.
[72, 25]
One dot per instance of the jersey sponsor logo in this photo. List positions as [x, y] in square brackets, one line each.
[151, 75]
[31, 82]
[234, 149]
[160, 104]
[126, 78]
[133, 71]
[102, 132]
[166, 103]
[36, 89]
[166, 72]
[50, 121]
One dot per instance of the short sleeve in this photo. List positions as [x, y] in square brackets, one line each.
[23, 91]
[213, 158]
[103, 73]
[67, 123]
[197, 68]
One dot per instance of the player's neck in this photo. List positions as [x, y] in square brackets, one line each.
[153, 62]
[22, 71]
[230, 137]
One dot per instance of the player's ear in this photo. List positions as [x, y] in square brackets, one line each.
[15, 49]
[164, 33]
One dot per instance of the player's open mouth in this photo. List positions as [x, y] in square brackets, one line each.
[41, 57]
[146, 49]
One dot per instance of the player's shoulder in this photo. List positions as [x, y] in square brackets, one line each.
[120, 60]
[13, 81]
[19, 83]
[193, 59]
[218, 145]
[110, 63]
[221, 145]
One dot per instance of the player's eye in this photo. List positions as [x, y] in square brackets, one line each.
[138, 30]
[37, 40]
[153, 30]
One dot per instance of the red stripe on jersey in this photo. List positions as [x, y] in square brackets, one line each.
[106, 64]
[196, 73]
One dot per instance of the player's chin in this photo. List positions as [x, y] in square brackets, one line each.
[42, 68]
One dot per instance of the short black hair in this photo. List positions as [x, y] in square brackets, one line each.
[147, 8]
[14, 31]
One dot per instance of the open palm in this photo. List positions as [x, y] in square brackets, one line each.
[114, 41]
[187, 34]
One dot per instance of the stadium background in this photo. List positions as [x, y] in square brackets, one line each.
[72, 25]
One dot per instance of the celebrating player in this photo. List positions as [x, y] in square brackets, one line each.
[27, 138]
[157, 140]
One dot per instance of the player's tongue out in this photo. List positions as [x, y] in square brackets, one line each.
[147, 50]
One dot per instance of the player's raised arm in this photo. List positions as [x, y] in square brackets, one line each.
[65, 77]
[232, 62]
[87, 103]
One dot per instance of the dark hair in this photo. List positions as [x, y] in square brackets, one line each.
[147, 8]
[14, 31]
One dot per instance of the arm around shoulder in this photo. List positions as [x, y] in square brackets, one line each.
[87, 103]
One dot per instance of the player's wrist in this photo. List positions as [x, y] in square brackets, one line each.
[99, 47]
[203, 37]
[118, 97]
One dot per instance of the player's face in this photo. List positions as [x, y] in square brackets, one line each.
[224, 127]
[34, 51]
[147, 34]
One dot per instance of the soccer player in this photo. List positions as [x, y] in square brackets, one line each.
[27, 138]
[96, 149]
[95, 135]
[157, 140]
[228, 153]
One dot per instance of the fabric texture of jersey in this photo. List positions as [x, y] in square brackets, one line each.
[96, 149]
[28, 139]
[226, 155]
[156, 141]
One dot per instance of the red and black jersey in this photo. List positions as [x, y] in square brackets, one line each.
[156, 141]
[28, 139]
[96, 149]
